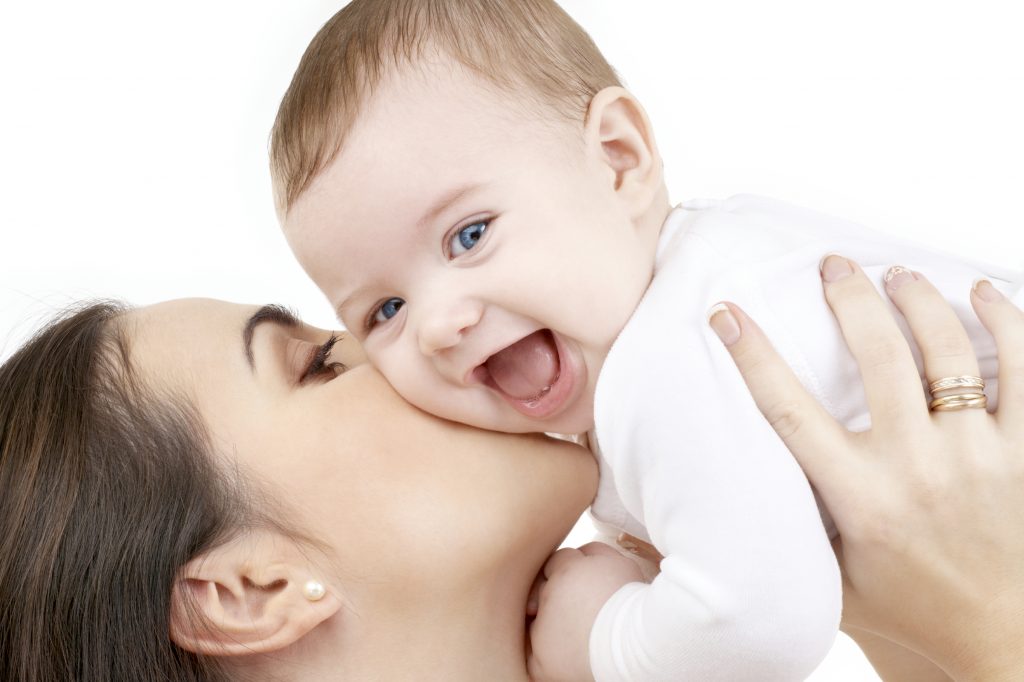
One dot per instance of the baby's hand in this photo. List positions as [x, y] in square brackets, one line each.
[574, 585]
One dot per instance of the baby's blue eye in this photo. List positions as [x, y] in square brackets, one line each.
[387, 310]
[466, 238]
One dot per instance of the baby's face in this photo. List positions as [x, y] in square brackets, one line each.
[480, 255]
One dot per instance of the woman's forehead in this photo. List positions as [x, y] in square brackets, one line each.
[181, 340]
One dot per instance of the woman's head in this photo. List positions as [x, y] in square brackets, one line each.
[104, 490]
[223, 481]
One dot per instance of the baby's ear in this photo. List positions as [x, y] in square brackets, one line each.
[251, 595]
[619, 134]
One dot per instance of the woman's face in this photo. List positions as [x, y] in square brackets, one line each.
[401, 497]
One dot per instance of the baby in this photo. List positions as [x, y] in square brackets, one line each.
[484, 205]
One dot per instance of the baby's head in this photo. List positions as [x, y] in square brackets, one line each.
[477, 196]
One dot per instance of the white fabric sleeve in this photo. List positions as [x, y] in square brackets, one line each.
[749, 588]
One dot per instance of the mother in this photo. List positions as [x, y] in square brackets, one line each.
[282, 516]
[209, 469]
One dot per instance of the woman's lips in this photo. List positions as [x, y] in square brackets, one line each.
[536, 375]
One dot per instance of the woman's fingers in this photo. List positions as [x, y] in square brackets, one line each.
[809, 432]
[945, 346]
[891, 382]
[1006, 324]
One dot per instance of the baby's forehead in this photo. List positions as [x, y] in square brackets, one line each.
[406, 147]
[421, 98]
[428, 114]
[530, 52]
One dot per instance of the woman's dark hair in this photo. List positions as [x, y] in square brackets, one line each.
[106, 490]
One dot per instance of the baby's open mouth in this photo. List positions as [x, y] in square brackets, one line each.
[526, 370]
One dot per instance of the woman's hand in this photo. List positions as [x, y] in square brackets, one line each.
[929, 505]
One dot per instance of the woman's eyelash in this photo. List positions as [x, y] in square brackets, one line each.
[318, 364]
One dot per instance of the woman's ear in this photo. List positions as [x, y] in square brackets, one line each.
[252, 595]
[619, 134]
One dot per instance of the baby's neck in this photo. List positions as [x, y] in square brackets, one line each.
[660, 209]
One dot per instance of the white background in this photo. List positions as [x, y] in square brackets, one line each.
[133, 135]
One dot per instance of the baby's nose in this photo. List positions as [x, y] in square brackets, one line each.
[443, 327]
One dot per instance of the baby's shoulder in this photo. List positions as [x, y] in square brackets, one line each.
[752, 250]
[748, 227]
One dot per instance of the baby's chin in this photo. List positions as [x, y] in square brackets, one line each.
[576, 420]
[568, 427]
[571, 426]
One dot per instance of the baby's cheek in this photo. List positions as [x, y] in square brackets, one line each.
[348, 351]
[416, 385]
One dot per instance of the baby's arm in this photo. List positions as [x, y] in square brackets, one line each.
[749, 588]
[572, 588]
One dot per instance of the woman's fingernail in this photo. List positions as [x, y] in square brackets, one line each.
[835, 268]
[897, 276]
[986, 292]
[724, 323]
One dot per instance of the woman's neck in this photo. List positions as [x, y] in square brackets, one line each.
[467, 650]
[466, 635]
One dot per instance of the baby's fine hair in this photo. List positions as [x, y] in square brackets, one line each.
[528, 48]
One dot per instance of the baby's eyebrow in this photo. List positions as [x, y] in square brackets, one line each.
[348, 302]
[446, 200]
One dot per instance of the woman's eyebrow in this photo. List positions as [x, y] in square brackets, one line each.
[273, 313]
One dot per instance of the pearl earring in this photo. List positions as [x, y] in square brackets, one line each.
[314, 591]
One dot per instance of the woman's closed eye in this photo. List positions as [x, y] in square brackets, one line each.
[465, 238]
[319, 365]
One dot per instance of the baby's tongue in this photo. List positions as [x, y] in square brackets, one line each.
[527, 368]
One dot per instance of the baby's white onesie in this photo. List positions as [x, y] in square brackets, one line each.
[749, 588]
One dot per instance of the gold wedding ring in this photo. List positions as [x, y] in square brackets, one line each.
[969, 396]
[956, 382]
[962, 401]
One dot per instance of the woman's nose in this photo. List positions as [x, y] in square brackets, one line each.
[442, 327]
